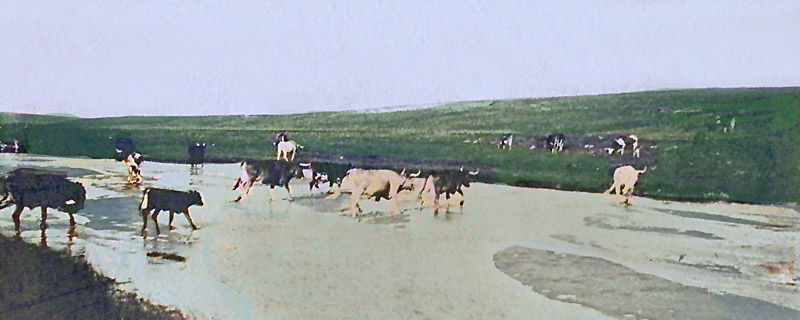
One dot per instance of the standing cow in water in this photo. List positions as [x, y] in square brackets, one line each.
[197, 154]
[625, 179]
[154, 200]
[33, 188]
[134, 162]
[126, 152]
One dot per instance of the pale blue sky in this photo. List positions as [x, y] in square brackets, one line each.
[109, 58]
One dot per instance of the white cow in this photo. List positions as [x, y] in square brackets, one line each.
[287, 147]
[625, 178]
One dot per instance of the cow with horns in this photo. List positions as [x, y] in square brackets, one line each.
[197, 154]
[448, 183]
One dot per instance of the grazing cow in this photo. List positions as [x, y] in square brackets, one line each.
[123, 147]
[449, 182]
[197, 153]
[134, 163]
[272, 172]
[621, 142]
[33, 188]
[555, 142]
[12, 146]
[154, 200]
[625, 178]
[506, 141]
[285, 148]
[371, 184]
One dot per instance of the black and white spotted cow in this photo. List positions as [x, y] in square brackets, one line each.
[555, 142]
[12, 146]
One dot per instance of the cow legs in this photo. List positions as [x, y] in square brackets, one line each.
[43, 224]
[291, 195]
[436, 203]
[155, 220]
[171, 216]
[447, 206]
[144, 214]
[15, 217]
[188, 217]
[245, 191]
[353, 204]
[628, 192]
[271, 193]
[613, 186]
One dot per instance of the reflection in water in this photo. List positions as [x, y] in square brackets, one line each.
[781, 272]
[71, 234]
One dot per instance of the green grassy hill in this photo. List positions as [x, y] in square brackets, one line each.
[696, 157]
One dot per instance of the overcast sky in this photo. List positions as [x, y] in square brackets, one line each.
[110, 58]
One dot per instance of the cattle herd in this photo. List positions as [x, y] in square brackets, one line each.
[32, 188]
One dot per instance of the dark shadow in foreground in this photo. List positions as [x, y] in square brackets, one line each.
[39, 283]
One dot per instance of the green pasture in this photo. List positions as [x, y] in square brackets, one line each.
[713, 144]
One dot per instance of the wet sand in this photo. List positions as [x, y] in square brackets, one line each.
[305, 259]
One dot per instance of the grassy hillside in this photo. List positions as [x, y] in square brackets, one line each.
[696, 157]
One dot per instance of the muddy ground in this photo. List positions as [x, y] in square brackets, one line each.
[511, 253]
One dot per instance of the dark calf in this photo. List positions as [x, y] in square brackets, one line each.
[173, 201]
[123, 148]
[197, 153]
[31, 188]
[449, 183]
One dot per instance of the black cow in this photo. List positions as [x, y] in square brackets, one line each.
[448, 182]
[555, 142]
[197, 153]
[123, 148]
[155, 200]
[12, 146]
[271, 172]
[31, 188]
[329, 172]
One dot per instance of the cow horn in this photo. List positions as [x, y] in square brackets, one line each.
[461, 169]
[414, 175]
[643, 171]
[305, 164]
[475, 173]
[402, 173]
